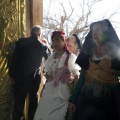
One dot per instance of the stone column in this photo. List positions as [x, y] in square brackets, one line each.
[34, 14]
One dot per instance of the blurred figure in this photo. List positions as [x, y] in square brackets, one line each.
[74, 44]
[25, 71]
[97, 93]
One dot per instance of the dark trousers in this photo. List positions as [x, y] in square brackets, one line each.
[20, 92]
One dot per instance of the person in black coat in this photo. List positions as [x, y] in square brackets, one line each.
[24, 69]
[97, 92]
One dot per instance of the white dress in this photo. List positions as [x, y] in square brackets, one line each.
[54, 100]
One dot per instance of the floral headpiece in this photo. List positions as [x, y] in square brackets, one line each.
[58, 31]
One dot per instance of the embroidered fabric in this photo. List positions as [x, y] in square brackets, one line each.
[101, 58]
[53, 65]
[62, 74]
[54, 100]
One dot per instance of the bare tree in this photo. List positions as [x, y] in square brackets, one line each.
[67, 21]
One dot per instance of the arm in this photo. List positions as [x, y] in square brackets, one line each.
[45, 52]
[78, 86]
[48, 51]
[48, 66]
[75, 80]
[80, 83]
[74, 68]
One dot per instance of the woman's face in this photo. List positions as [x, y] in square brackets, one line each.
[97, 33]
[71, 43]
[57, 43]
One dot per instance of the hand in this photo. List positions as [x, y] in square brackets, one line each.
[72, 107]
[45, 41]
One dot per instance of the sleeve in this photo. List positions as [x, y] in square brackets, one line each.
[47, 67]
[46, 53]
[80, 83]
[73, 67]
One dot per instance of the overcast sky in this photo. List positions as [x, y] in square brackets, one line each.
[103, 8]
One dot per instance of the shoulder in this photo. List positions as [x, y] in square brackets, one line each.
[72, 59]
[20, 40]
[23, 41]
[72, 56]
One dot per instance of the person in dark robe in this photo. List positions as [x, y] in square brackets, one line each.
[97, 93]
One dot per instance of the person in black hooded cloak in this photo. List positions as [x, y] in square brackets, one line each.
[97, 93]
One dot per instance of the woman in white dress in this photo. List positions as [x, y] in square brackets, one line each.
[61, 73]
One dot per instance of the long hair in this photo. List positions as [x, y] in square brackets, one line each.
[62, 36]
[110, 39]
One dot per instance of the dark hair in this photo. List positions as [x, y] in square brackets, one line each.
[111, 40]
[78, 41]
[62, 35]
[59, 33]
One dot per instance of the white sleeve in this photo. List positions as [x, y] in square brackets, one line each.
[48, 66]
[73, 67]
